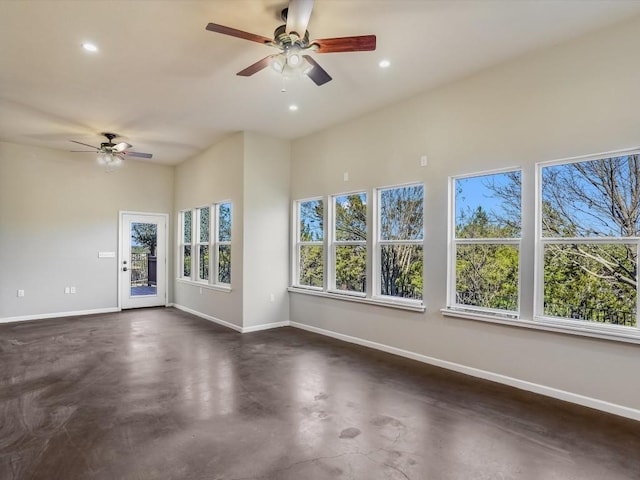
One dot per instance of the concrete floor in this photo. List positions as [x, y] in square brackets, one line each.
[160, 394]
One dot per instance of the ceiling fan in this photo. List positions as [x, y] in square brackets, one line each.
[292, 39]
[111, 154]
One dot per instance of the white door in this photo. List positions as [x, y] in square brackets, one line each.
[143, 260]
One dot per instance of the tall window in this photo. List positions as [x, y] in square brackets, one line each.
[309, 244]
[589, 230]
[202, 245]
[205, 237]
[486, 229]
[349, 247]
[399, 241]
[185, 247]
[223, 243]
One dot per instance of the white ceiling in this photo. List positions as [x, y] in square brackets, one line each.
[169, 87]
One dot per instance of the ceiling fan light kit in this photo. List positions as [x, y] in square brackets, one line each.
[293, 59]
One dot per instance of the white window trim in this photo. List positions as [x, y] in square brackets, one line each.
[376, 284]
[295, 274]
[212, 283]
[414, 305]
[602, 330]
[198, 245]
[381, 301]
[453, 242]
[182, 244]
[217, 243]
[333, 243]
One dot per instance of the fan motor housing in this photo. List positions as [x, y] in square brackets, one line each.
[286, 40]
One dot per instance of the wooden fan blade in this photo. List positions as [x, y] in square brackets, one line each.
[298, 15]
[85, 144]
[214, 27]
[317, 73]
[122, 146]
[83, 151]
[363, 43]
[137, 154]
[256, 67]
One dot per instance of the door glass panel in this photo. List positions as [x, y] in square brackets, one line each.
[143, 264]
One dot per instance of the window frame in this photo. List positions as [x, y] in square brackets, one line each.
[372, 249]
[541, 241]
[295, 281]
[182, 244]
[198, 244]
[453, 242]
[333, 243]
[213, 243]
[378, 243]
[217, 243]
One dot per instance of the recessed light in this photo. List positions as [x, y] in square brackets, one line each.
[89, 47]
[384, 64]
[293, 108]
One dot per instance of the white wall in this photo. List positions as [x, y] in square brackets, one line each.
[577, 98]
[266, 230]
[213, 176]
[57, 211]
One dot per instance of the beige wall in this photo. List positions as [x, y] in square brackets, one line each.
[213, 176]
[266, 230]
[578, 98]
[57, 211]
[252, 171]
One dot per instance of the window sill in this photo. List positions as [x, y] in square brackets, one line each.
[602, 331]
[218, 288]
[413, 306]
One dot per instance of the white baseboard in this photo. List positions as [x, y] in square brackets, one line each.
[208, 317]
[265, 326]
[486, 375]
[255, 328]
[43, 316]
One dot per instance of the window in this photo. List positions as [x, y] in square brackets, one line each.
[484, 257]
[399, 242]
[349, 247]
[383, 268]
[588, 230]
[202, 245]
[185, 243]
[310, 244]
[210, 247]
[223, 243]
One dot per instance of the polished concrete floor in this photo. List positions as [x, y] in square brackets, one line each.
[160, 394]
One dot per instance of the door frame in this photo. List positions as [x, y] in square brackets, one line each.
[164, 216]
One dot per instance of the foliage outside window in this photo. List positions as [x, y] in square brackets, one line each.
[349, 247]
[399, 241]
[589, 231]
[202, 244]
[185, 243]
[484, 260]
[310, 243]
[223, 243]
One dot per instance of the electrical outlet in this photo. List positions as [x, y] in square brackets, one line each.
[345, 176]
[21, 293]
[423, 161]
[72, 289]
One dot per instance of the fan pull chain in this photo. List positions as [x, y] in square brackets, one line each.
[284, 85]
